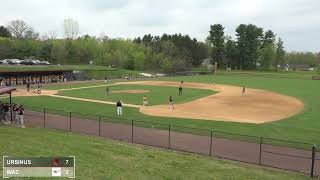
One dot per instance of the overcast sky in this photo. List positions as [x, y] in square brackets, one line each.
[297, 22]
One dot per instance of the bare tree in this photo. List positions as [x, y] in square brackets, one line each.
[18, 28]
[71, 29]
[52, 35]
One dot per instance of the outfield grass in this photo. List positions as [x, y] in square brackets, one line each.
[98, 158]
[156, 95]
[303, 127]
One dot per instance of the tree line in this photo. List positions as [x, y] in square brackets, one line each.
[251, 49]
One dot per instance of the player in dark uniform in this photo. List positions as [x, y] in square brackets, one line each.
[171, 103]
[28, 86]
[180, 90]
[107, 90]
[119, 108]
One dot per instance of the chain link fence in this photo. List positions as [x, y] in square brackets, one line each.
[280, 154]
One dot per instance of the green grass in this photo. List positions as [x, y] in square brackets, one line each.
[272, 74]
[98, 158]
[156, 95]
[304, 127]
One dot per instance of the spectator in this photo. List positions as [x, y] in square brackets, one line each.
[7, 113]
[20, 117]
[1, 111]
[15, 113]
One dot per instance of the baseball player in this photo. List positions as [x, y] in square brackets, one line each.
[145, 101]
[180, 90]
[243, 90]
[39, 89]
[107, 90]
[171, 107]
[119, 108]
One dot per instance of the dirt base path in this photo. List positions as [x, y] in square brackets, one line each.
[256, 106]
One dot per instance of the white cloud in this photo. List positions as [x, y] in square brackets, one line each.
[296, 21]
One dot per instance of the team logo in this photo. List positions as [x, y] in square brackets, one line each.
[56, 171]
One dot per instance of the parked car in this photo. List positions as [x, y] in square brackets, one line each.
[5, 61]
[27, 62]
[45, 63]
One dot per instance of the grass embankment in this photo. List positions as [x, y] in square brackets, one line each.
[98, 158]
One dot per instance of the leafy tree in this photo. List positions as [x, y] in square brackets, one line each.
[231, 54]
[280, 54]
[31, 34]
[267, 56]
[4, 32]
[249, 40]
[269, 38]
[302, 58]
[217, 41]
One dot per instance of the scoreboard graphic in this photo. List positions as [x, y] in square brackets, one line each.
[38, 166]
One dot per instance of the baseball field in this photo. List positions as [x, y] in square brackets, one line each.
[281, 108]
[272, 106]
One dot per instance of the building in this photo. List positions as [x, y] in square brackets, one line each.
[37, 76]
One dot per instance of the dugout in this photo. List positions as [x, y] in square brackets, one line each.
[12, 78]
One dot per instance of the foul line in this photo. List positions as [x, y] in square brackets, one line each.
[96, 101]
[85, 87]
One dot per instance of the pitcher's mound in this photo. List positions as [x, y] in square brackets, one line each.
[131, 91]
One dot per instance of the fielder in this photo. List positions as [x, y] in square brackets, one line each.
[145, 101]
[171, 107]
[243, 90]
[107, 90]
[180, 90]
[119, 108]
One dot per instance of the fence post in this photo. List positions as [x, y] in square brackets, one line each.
[44, 117]
[260, 150]
[169, 137]
[313, 159]
[99, 125]
[131, 131]
[211, 137]
[70, 123]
